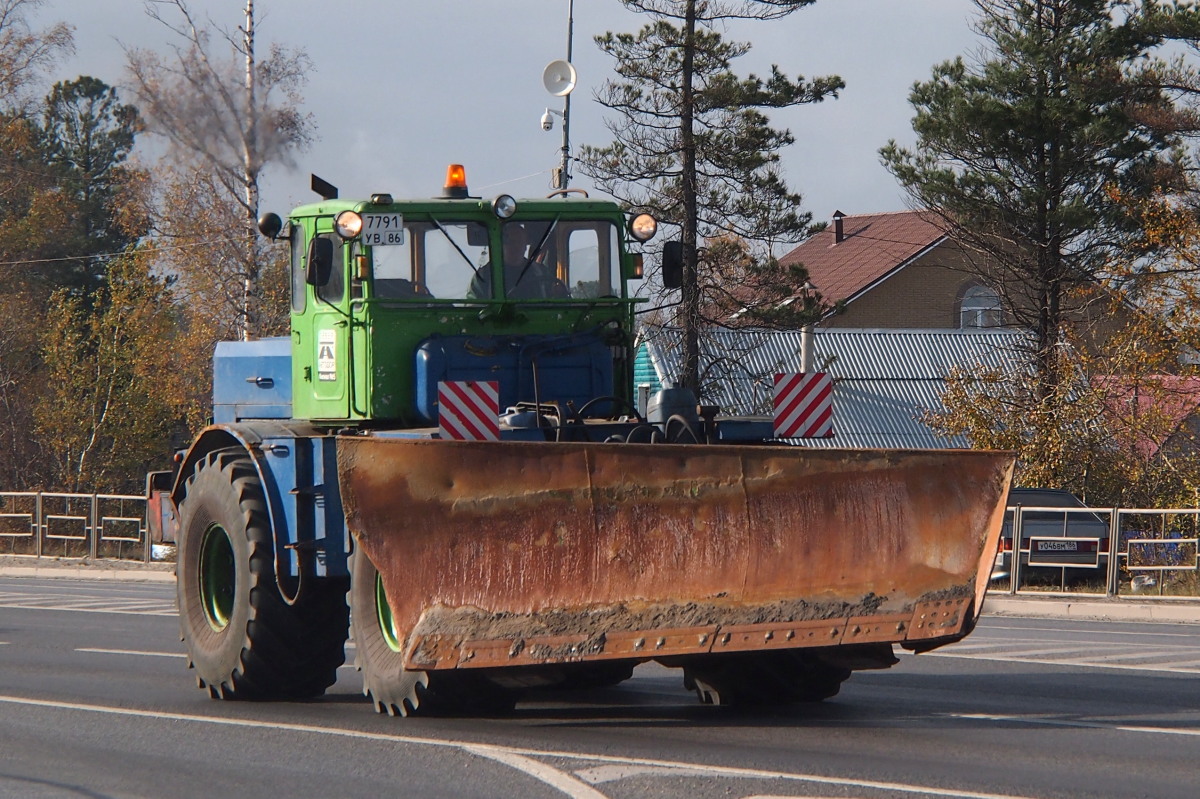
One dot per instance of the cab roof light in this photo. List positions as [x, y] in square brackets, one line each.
[348, 224]
[643, 227]
[456, 182]
[381, 199]
[504, 206]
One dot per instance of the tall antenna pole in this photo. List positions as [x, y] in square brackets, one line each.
[565, 180]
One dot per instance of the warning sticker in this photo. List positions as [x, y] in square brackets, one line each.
[327, 355]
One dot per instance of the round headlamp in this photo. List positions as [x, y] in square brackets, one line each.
[348, 224]
[504, 206]
[643, 227]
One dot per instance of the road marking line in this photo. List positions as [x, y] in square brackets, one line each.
[1161, 653]
[613, 773]
[539, 771]
[962, 647]
[164, 612]
[987, 627]
[94, 602]
[142, 653]
[1192, 732]
[1049, 662]
[718, 771]
[131, 652]
[1043, 651]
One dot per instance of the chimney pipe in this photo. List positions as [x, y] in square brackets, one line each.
[839, 231]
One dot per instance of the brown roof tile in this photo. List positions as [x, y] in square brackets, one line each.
[872, 246]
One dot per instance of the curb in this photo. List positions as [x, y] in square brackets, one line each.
[1172, 612]
[127, 575]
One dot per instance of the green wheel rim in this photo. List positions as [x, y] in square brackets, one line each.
[218, 576]
[387, 624]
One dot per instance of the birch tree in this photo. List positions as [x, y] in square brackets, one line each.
[229, 113]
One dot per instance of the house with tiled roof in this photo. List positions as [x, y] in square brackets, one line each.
[900, 270]
[914, 309]
[896, 270]
[1160, 412]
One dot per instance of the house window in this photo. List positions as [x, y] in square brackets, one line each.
[980, 308]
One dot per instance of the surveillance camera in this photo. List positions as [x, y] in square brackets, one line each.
[547, 121]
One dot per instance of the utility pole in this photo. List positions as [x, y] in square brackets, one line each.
[565, 173]
[559, 79]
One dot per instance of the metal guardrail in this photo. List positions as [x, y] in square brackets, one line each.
[1153, 544]
[1156, 553]
[85, 526]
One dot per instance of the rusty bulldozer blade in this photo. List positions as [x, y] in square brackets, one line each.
[496, 554]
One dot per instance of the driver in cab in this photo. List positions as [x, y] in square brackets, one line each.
[526, 276]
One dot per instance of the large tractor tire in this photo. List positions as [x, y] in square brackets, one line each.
[763, 678]
[243, 638]
[394, 689]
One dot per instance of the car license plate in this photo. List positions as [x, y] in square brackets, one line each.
[1058, 546]
[381, 230]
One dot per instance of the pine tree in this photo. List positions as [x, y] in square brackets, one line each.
[86, 137]
[1019, 153]
[693, 146]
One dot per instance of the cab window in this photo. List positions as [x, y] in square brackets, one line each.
[435, 260]
[299, 295]
[335, 288]
[557, 259]
[592, 260]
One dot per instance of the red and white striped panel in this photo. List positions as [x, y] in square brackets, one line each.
[804, 405]
[469, 410]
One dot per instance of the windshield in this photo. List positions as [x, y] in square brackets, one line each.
[436, 259]
[557, 259]
[547, 259]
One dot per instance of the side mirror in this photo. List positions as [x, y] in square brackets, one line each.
[320, 262]
[270, 225]
[672, 264]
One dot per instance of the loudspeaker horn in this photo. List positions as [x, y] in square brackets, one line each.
[559, 78]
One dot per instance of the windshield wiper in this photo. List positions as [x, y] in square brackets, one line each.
[453, 243]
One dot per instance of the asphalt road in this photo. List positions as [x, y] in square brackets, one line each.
[95, 702]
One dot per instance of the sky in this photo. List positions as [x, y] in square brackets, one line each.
[401, 88]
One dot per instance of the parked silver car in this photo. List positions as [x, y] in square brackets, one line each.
[1073, 537]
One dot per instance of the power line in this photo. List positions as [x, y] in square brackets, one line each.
[160, 248]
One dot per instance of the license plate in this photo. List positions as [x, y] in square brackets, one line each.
[381, 230]
[1057, 546]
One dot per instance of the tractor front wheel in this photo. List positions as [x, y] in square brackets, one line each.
[379, 645]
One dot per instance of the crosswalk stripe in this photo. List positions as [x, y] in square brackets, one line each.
[97, 651]
[1065, 662]
[1161, 653]
[162, 610]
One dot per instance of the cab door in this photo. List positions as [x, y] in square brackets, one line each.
[321, 334]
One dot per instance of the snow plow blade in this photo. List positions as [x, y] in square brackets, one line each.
[501, 554]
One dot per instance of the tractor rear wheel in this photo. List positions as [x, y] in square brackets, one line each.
[244, 640]
[379, 645]
[763, 678]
